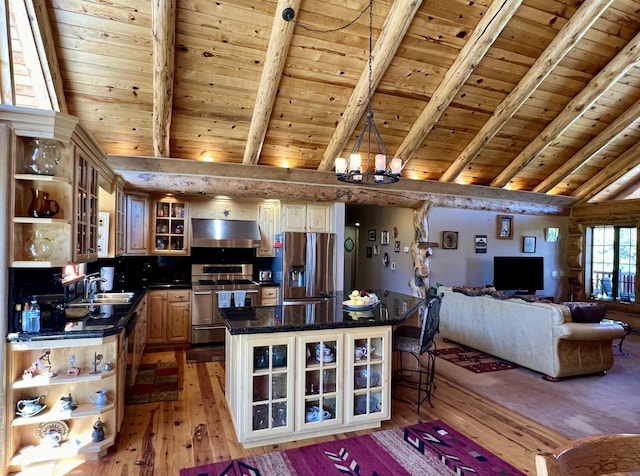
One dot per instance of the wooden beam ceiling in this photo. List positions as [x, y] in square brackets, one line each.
[164, 39]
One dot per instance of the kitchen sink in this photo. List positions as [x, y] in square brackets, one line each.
[104, 298]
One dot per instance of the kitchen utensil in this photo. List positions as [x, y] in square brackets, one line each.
[265, 275]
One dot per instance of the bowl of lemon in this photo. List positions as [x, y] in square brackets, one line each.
[360, 301]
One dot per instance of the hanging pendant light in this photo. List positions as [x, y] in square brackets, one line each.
[353, 171]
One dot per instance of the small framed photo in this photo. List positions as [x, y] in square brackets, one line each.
[551, 234]
[481, 243]
[376, 250]
[529, 244]
[369, 252]
[372, 235]
[396, 247]
[384, 237]
[505, 227]
[450, 240]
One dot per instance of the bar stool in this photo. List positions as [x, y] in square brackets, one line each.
[417, 341]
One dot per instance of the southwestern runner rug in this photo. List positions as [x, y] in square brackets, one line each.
[473, 360]
[157, 382]
[425, 449]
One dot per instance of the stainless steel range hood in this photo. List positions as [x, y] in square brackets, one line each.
[214, 233]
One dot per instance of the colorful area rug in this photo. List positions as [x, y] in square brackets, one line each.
[430, 448]
[473, 360]
[205, 354]
[156, 382]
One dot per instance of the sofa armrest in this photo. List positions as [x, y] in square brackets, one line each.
[584, 331]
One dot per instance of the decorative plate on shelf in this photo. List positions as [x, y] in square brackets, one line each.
[58, 427]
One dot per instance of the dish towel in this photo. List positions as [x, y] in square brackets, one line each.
[239, 298]
[224, 299]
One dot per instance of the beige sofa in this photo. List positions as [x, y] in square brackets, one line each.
[536, 335]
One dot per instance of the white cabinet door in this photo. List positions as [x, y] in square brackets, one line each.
[306, 217]
[368, 375]
[266, 222]
[319, 218]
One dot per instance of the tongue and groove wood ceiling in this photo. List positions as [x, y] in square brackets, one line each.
[534, 95]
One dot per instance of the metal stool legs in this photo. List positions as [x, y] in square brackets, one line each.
[424, 385]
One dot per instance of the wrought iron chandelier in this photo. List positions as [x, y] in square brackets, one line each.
[353, 171]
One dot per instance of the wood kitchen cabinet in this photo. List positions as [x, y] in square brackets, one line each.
[306, 217]
[137, 218]
[63, 228]
[269, 295]
[86, 208]
[168, 316]
[276, 379]
[169, 235]
[267, 214]
[27, 446]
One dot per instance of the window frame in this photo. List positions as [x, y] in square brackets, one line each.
[593, 287]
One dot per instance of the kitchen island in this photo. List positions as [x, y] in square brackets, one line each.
[311, 367]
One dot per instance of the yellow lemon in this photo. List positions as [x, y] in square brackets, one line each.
[355, 293]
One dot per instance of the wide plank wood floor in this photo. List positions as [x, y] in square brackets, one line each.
[162, 438]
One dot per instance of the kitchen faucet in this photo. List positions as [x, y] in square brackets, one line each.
[91, 286]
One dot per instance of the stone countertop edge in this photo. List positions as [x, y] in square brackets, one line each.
[122, 314]
[392, 310]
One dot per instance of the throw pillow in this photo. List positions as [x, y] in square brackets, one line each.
[589, 314]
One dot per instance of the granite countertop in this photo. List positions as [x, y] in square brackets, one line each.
[102, 321]
[321, 313]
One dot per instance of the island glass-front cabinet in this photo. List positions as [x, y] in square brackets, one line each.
[291, 385]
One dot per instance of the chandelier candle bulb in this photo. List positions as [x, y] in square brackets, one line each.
[354, 163]
[341, 165]
[381, 164]
[396, 165]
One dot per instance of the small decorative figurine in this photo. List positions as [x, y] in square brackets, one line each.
[98, 431]
[68, 403]
[73, 369]
[43, 364]
[97, 358]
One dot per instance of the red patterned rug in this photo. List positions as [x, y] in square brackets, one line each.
[157, 382]
[473, 360]
[426, 449]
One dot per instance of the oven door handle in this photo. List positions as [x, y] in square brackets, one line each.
[201, 292]
[206, 328]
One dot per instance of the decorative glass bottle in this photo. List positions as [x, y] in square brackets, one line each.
[41, 157]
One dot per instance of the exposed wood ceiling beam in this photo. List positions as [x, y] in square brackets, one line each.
[393, 30]
[580, 158]
[616, 169]
[566, 39]
[599, 84]
[193, 177]
[163, 30]
[281, 33]
[7, 88]
[485, 33]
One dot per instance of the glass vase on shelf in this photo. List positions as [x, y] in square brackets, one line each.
[41, 157]
[39, 247]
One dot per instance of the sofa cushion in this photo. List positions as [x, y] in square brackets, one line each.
[589, 313]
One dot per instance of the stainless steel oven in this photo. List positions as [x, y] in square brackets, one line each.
[216, 286]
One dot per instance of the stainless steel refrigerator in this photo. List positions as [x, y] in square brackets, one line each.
[305, 265]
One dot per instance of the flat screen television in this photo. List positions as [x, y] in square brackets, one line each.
[522, 274]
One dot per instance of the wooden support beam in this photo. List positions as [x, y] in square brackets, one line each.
[599, 84]
[602, 140]
[281, 33]
[566, 39]
[484, 34]
[196, 178]
[164, 38]
[609, 174]
[395, 26]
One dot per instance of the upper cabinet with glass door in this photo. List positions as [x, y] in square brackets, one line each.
[169, 229]
[49, 154]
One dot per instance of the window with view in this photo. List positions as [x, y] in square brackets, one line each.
[613, 262]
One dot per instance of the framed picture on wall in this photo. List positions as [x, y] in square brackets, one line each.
[449, 240]
[372, 235]
[369, 252]
[529, 244]
[505, 227]
[396, 247]
[384, 237]
[481, 243]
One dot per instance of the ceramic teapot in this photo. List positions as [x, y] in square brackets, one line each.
[317, 414]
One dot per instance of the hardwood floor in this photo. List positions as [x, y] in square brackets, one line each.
[162, 438]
